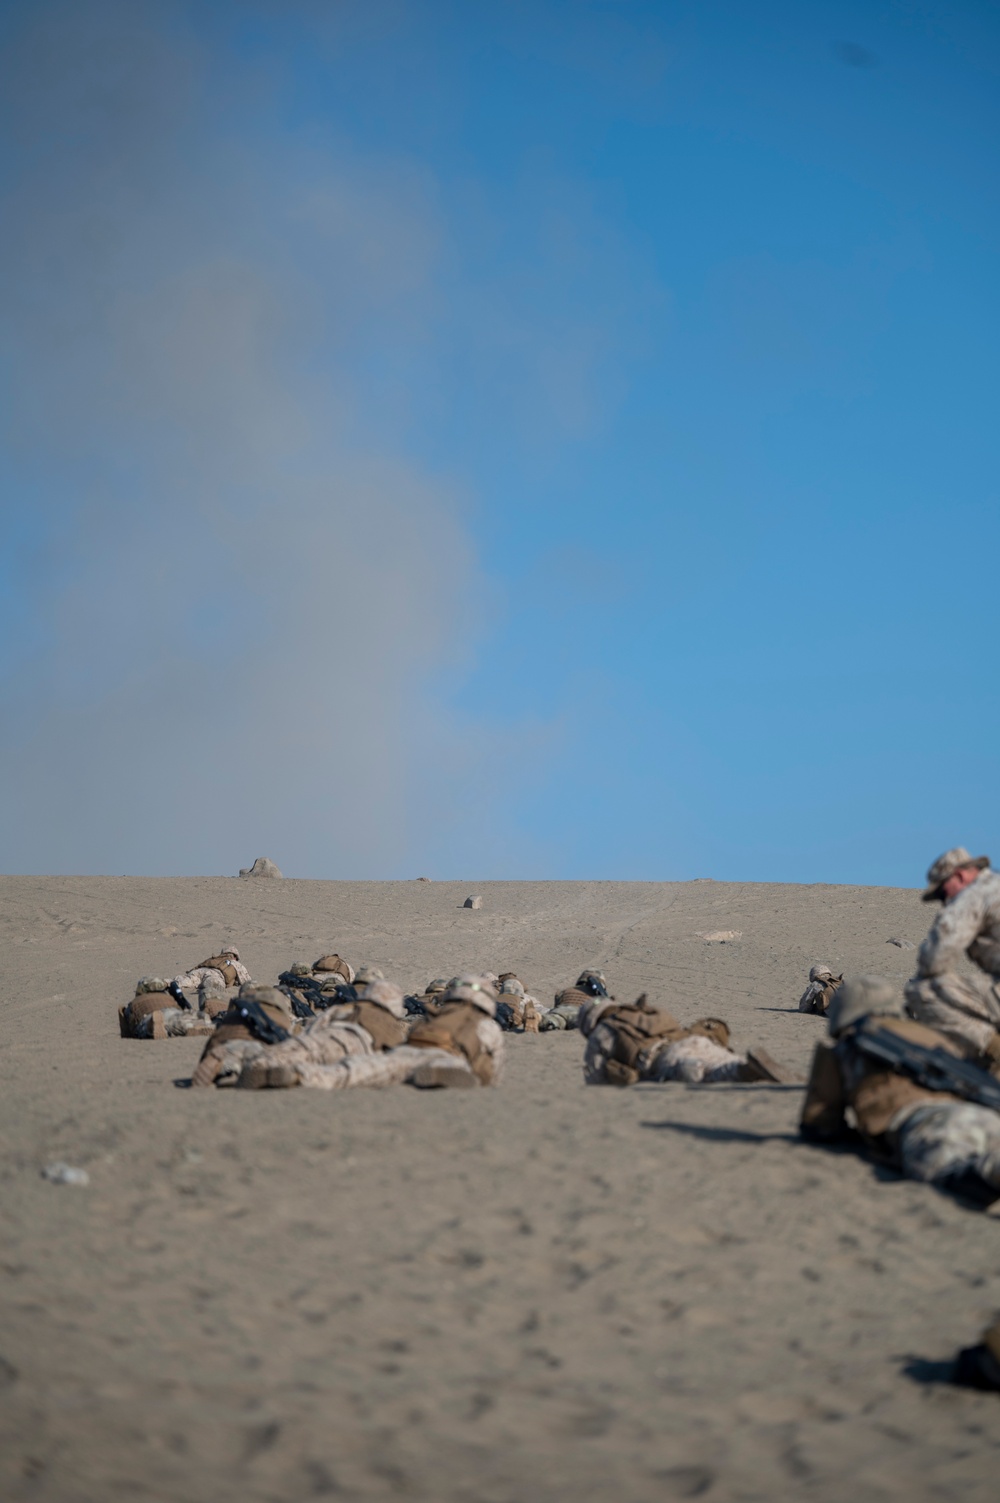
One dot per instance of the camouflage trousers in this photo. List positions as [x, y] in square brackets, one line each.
[391, 1067]
[324, 1042]
[176, 1023]
[697, 1060]
[946, 1140]
[965, 1008]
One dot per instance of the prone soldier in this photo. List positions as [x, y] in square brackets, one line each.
[260, 1016]
[819, 993]
[459, 1045]
[634, 1042]
[373, 1021]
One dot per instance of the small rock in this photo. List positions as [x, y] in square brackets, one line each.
[261, 868]
[65, 1174]
[476, 902]
[721, 936]
[423, 879]
[902, 944]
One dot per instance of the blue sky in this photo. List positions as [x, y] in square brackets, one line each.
[497, 439]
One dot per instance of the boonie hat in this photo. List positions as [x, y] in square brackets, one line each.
[946, 866]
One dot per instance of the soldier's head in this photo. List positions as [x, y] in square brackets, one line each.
[475, 989]
[863, 997]
[230, 950]
[436, 987]
[820, 972]
[511, 987]
[150, 984]
[385, 994]
[591, 1013]
[271, 998]
[329, 963]
[951, 872]
[299, 968]
[366, 974]
[593, 983]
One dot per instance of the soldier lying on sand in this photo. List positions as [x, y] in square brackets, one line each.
[904, 1111]
[566, 1011]
[374, 1021]
[185, 1005]
[460, 1045]
[627, 1043]
[820, 992]
[261, 1016]
[966, 1008]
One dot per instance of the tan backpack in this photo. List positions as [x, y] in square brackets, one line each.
[636, 1027]
[221, 963]
[456, 1029]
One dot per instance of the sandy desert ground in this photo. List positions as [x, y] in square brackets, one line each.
[544, 1292]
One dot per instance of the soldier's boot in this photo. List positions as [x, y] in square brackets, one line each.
[761, 1066]
[530, 1018]
[268, 1075]
[433, 1077]
[207, 1069]
[157, 1026]
[979, 1366]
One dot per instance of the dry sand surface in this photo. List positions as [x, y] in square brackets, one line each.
[543, 1292]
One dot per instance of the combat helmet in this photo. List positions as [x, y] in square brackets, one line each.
[475, 989]
[862, 997]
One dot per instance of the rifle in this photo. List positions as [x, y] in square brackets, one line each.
[260, 1025]
[179, 996]
[318, 999]
[300, 1007]
[934, 1069]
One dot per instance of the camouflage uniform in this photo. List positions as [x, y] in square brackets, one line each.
[819, 993]
[965, 1007]
[216, 975]
[927, 1135]
[629, 1043]
[375, 1021]
[566, 1011]
[155, 1013]
[235, 1040]
[461, 1044]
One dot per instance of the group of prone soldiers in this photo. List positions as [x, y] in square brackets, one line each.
[911, 1079]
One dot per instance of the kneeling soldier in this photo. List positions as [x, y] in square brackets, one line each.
[918, 1105]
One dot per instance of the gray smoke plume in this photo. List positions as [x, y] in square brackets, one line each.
[230, 587]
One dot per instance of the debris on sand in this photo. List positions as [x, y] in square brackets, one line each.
[64, 1174]
[720, 936]
[902, 944]
[261, 868]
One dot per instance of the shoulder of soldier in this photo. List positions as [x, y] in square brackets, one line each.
[981, 894]
[914, 1032]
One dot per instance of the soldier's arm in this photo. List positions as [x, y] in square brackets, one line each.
[823, 1113]
[955, 928]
